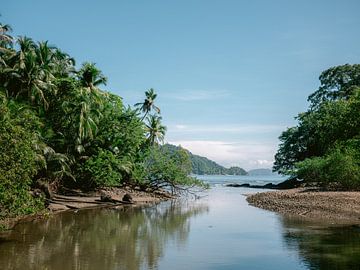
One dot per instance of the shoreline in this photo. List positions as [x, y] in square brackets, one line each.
[88, 200]
[340, 207]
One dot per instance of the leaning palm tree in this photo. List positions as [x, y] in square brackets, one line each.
[149, 103]
[154, 130]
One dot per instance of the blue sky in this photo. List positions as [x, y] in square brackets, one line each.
[230, 75]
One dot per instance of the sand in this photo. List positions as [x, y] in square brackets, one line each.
[312, 203]
[76, 200]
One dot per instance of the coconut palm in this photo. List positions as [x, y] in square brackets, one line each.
[64, 64]
[87, 104]
[90, 76]
[30, 72]
[84, 108]
[155, 132]
[149, 103]
[6, 40]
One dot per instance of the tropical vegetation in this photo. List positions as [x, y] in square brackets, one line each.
[59, 128]
[324, 146]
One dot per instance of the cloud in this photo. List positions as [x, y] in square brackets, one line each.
[197, 95]
[239, 129]
[246, 154]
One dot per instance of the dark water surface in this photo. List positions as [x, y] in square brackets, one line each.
[218, 231]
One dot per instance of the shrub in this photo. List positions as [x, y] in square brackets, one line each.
[166, 169]
[341, 165]
[18, 165]
[104, 169]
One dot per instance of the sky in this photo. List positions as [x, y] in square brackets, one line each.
[230, 75]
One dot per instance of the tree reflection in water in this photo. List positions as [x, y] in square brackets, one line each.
[126, 238]
[323, 247]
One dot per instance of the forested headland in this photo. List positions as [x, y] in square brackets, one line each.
[204, 166]
[59, 128]
[324, 147]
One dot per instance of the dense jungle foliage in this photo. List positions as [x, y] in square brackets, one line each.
[58, 128]
[324, 146]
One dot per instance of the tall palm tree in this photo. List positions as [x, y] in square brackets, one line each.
[30, 74]
[87, 104]
[154, 130]
[90, 76]
[84, 107]
[149, 103]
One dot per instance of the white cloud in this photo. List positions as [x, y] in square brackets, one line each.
[246, 154]
[180, 127]
[239, 129]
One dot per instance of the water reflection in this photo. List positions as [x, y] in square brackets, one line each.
[127, 238]
[323, 247]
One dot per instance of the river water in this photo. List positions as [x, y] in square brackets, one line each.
[218, 231]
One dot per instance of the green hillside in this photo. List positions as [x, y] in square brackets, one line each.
[202, 165]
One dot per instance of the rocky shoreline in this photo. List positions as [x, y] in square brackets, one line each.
[312, 203]
[287, 184]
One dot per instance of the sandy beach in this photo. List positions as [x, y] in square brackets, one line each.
[336, 206]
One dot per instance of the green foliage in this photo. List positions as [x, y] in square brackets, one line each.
[121, 130]
[101, 170]
[148, 104]
[155, 131]
[325, 135]
[19, 163]
[236, 171]
[336, 83]
[340, 166]
[167, 169]
[57, 125]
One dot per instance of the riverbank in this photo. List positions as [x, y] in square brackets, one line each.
[78, 200]
[312, 203]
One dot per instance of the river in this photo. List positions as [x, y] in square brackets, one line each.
[217, 231]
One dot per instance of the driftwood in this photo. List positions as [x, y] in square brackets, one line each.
[104, 201]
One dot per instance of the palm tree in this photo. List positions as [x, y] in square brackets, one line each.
[64, 64]
[6, 40]
[149, 103]
[30, 73]
[87, 104]
[84, 108]
[6, 52]
[154, 130]
[90, 76]
[34, 69]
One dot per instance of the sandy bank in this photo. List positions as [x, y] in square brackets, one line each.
[77, 200]
[335, 206]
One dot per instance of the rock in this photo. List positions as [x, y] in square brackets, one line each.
[238, 185]
[43, 185]
[287, 184]
[105, 197]
[127, 198]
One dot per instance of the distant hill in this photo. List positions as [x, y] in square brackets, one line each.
[261, 172]
[202, 165]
